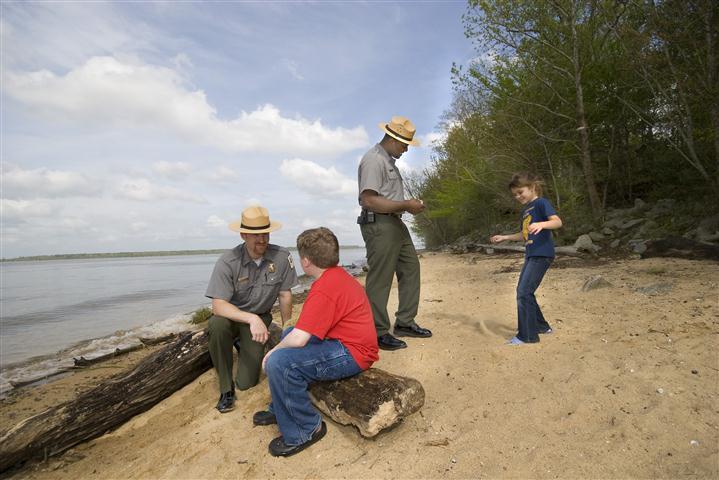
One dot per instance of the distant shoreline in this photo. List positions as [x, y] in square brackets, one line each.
[167, 253]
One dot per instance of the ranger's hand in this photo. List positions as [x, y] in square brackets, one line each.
[415, 206]
[258, 330]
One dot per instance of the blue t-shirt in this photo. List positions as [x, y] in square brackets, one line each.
[541, 244]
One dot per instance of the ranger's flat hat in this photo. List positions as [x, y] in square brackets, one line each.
[255, 219]
[400, 128]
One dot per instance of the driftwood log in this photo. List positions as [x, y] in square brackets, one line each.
[680, 247]
[372, 401]
[108, 405]
[480, 247]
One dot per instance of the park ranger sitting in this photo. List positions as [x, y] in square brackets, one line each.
[244, 285]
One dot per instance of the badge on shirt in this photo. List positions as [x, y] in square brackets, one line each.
[289, 259]
[271, 268]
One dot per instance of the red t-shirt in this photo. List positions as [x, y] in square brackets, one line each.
[337, 308]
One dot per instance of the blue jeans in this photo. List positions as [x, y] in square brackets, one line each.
[529, 315]
[291, 370]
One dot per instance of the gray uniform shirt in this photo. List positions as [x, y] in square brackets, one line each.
[377, 171]
[252, 288]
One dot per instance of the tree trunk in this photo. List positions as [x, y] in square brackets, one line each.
[108, 405]
[582, 125]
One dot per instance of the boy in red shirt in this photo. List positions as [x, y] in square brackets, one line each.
[334, 338]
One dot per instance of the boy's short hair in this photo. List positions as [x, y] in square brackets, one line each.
[320, 246]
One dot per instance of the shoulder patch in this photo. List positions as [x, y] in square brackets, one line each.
[290, 261]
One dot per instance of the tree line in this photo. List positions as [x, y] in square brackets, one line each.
[607, 101]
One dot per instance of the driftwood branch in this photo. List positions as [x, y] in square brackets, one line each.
[108, 405]
[111, 403]
[479, 247]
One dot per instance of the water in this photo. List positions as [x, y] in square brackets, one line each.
[52, 311]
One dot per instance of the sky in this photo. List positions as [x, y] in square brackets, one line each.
[139, 126]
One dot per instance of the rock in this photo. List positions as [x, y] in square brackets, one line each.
[662, 208]
[638, 246]
[615, 243]
[639, 204]
[655, 289]
[631, 223]
[584, 244]
[608, 232]
[596, 236]
[708, 229]
[647, 228]
[372, 401]
[489, 251]
[594, 282]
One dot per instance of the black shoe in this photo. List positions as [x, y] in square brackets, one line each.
[265, 417]
[278, 448]
[413, 330]
[388, 342]
[227, 402]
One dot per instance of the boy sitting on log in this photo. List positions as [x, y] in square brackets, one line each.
[333, 338]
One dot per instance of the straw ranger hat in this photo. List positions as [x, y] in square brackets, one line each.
[400, 128]
[255, 219]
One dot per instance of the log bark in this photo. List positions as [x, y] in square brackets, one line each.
[372, 401]
[478, 247]
[108, 405]
[113, 402]
[681, 247]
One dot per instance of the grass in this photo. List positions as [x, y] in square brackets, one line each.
[201, 315]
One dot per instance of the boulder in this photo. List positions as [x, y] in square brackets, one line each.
[584, 244]
[596, 236]
[371, 401]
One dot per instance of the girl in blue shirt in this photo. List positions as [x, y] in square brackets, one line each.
[538, 218]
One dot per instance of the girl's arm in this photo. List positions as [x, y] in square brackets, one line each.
[515, 237]
[553, 223]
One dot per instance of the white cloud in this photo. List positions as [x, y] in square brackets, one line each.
[172, 169]
[213, 221]
[42, 182]
[143, 190]
[223, 174]
[315, 179]
[21, 209]
[292, 67]
[128, 93]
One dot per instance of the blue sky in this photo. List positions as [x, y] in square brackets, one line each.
[150, 126]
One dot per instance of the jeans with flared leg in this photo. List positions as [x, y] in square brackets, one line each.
[529, 316]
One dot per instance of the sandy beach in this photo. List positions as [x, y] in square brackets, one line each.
[626, 387]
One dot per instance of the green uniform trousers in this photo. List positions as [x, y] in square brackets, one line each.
[390, 250]
[221, 336]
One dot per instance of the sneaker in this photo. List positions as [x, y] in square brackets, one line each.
[548, 331]
[515, 341]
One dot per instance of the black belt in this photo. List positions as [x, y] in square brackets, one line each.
[398, 215]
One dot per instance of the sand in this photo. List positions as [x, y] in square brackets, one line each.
[626, 387]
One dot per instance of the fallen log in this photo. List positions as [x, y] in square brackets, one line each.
[157, 340]
[108, 405]
[680, 247]
[372, 401]
[113, 402]
[479, 247]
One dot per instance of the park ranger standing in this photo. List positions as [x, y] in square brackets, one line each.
[390, 249]
[244, 285]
